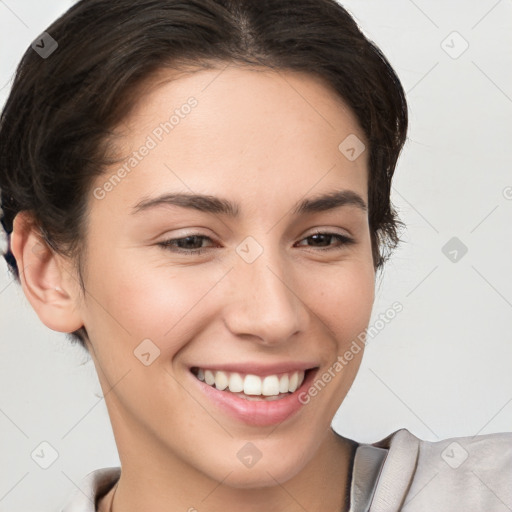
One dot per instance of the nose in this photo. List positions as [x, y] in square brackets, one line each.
[263, 301]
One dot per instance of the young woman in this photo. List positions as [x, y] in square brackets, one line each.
[199, 193]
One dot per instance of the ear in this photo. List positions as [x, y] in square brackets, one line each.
[46, 277]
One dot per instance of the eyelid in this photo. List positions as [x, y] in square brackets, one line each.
[326, 230]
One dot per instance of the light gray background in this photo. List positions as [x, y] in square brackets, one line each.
[441, 368]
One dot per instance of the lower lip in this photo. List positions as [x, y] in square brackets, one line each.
[257, 412]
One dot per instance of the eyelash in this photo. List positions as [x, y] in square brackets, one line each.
[168, 244]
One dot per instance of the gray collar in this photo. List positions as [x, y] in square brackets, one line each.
[382, 473]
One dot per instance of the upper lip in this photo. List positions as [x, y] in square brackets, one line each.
[262, 369]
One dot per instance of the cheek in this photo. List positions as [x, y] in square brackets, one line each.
[343, 297]
[344, 307]
[135, 299]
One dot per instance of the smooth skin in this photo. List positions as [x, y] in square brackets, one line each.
[264, 140]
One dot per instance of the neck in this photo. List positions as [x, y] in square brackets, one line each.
[322, 485]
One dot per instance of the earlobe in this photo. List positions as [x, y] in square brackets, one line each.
[46, 281]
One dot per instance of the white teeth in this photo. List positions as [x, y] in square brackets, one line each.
[270, 385]
[236, 383]
[221, 380]
[283, 383]
[209, 378]
[252, 385]
[294, 381]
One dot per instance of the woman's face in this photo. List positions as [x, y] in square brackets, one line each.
[265, 297]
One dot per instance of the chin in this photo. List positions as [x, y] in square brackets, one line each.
[258, 479]
[262, 474]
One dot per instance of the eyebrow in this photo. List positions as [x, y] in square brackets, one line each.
[218, 205]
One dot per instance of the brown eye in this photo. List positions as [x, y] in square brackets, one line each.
[324, 238]
[191, 244]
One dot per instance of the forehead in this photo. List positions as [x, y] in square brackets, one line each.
[229, 87]
[250, 130]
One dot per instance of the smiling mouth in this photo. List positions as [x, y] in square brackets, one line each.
[250, 386]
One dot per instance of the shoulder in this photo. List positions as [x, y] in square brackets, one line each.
[465, 473]
[458, 473]
[92, 486]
